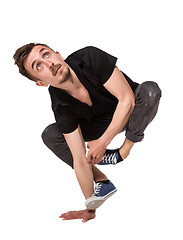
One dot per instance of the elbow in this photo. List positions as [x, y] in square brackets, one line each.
[130, 103]
[131, 107]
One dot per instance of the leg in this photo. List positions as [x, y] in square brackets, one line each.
[98, 175]
[55, 141]
[125, 148]
[147, 98]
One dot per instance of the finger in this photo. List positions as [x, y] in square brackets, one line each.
[62, 215]
[88, 145]
[67, 216]
[84, 220]
[95, 160]
[89, 158]
[92, 160]
[98, 160]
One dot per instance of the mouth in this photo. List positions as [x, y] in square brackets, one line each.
[55, 69]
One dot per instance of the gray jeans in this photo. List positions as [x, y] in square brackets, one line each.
[147, 96]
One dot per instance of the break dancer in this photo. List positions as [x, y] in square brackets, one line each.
[92, 101]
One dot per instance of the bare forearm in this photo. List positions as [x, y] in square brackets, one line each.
[84, 176]
[82, 168]
[119, 121]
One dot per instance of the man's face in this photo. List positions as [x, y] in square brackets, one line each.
[47, 66]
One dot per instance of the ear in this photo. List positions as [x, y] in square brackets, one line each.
[41, 84]
[60, 55]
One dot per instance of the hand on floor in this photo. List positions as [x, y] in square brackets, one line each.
[85, 215]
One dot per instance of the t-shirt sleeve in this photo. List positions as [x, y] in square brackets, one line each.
[101, 63]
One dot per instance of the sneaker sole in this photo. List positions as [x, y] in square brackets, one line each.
[95, 202]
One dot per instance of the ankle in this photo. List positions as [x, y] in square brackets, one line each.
[125, 148]
[101, 179]
[105, 181]
[128, 144]
[124, 153]
[98, 175]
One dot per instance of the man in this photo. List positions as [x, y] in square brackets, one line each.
[92, 101]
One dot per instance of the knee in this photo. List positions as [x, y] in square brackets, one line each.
[151, 92]
[50, 134]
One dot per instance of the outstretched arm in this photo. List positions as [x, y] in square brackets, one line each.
[82, 168]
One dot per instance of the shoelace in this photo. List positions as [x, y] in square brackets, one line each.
[110, 158]
[97, 189]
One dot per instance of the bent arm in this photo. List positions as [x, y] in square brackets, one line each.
[82, 168]
[119, 87]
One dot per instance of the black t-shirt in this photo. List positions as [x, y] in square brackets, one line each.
[93, 68]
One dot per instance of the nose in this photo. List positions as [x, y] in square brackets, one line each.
[48, 64]
[51, 66]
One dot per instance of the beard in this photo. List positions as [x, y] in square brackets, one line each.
[65, 74]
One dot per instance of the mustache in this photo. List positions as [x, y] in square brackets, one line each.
[55, 68]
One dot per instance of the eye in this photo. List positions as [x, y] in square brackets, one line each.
[46, 55]
[39, 66]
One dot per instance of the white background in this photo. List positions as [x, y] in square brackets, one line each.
[35, 186]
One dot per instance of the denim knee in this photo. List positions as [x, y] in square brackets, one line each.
[151, 92]
[50, 134]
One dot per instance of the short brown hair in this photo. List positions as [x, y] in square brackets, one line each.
[20, 56]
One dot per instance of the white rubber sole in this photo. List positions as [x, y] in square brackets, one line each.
[95, 202]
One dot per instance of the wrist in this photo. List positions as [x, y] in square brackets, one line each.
[106, 138]
[91, 211]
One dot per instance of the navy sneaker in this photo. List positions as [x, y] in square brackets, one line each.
[102, 192]
[111, 157]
